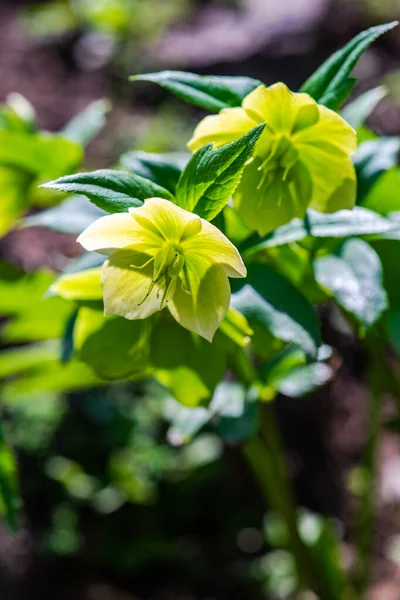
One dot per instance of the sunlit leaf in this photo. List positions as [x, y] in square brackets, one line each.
[188, 366]
[14, 185]
[343, 223]
[271, 302]
[354, 276]
[238, 412]
[113, 191]
[331, 84]
[372, 159]
[162, 169]
[207, 91]
[38, 153]
[358, 111]
[236, 328]
[114, 347]
[384, 197]
[37, 368]
[211, 176]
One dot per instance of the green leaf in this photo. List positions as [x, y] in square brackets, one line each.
[358, 111]
[71, 216]
[10, 501]
[185, 422]
[236, 328]
[354, 276]
[389, 255]
[343, 223]
[18, 114]
[212, 176]
[234, 227]
[16, 286]
[293, 262]
[113, 191]
[304, 380]
[37, 368]
[88, 123]
[22, 359]
[232, 407]
[186, 364]
[371, 160]
[40, 320]
[67, 342]
[330, 84]
[289, 374]
[392, 328]
[238, 412]
[14, 185]
[112, 346]
[384, 196]
[271, 302]
[335, 98]
[281, 364]
[38, 154]
[163, 169]
[33, 316]
[209, 92]
[81, 287]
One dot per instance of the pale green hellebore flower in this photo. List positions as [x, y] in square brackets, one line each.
[161, 255]
[301, 160]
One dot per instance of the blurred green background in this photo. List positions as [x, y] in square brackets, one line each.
[115, 507]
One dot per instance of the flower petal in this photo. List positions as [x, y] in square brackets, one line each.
[275, 202]
[204, 309]
[276, 105]
[229, 125]
[84, 285]
[334, 180]
[330, 129]
[163, 217]
[125, 287]
[215, 246]
[116, 231]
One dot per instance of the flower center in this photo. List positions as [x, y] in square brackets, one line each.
[278, 162]
[168, 266]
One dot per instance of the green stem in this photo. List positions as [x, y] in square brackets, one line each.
[365, 520]
[265, 456]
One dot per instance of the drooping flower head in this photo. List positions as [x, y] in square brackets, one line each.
[161, 255]
[301, 160]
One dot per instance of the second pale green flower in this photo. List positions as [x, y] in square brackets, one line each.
[164, 256]
[303, 158]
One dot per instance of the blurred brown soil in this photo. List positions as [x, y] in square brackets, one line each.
[44, 72]
[325, 435]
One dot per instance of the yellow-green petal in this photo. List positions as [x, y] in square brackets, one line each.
[162, 217]
[211, 243]
[229, 125]
[330, 129]
[334, 181]
[84, 285]
[204, 309]
[117, 231]
[277, 106]
[126, 288]
[264, 207]
[303, 157]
